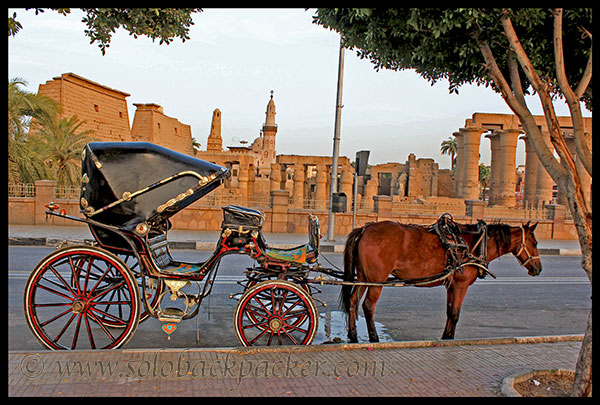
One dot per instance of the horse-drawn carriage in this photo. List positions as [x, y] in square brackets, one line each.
[95, 295]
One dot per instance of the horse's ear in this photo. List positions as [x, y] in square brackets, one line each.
[534, 226]
[527, 224]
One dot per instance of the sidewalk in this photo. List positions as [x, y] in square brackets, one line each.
[49, 235]
[426, 368]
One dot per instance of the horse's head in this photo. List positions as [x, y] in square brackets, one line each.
[526, 250]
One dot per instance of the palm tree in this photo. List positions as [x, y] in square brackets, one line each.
[25, 165]
[60, 145]
[484, 179]
[449, 147]
[195, 145]
[24, 106]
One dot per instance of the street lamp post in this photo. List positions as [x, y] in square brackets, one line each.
[336, 144]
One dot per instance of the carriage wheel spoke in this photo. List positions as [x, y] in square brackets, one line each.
[260, 335]
[89, 331]
[43, 287]
[76, 334]
[99, 295]
[54, 318]
[119, 320]
[289, 337]
[64, 328]
[104, 274]
[102, 326]
[62, 280]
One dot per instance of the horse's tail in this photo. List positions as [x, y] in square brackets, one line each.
[350, 257]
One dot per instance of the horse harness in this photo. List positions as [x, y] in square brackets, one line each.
[524, 248]
[458, 254]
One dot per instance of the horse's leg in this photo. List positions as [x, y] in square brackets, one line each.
[357, 293]
[369, 304]
[455, 296]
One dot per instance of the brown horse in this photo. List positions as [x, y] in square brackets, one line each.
[411, 252]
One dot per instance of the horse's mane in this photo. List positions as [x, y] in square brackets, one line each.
[501, 233]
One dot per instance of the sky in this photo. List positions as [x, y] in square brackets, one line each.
[232, 61]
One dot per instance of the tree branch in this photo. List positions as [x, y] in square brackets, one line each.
[520, 109]
[587, 74]
[583, 152]
[541, 87]
[570, 183]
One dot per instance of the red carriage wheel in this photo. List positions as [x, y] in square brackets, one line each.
[251, 314]
[73, 293]
[275, 312]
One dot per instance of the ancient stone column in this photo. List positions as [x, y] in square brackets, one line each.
[346, 181]
[299, 179]
[508, 174]
[321, 191]
[471, 140]
[531, 169]
[544, 183]
[275, 176]
[370, 190]
[243, 179]
[458, 171]
[495, 168]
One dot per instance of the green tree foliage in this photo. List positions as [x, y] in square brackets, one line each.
[440, 43]
[25, 164]
[60, 143]
[155, 23]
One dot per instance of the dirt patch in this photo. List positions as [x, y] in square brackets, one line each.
[546, 385]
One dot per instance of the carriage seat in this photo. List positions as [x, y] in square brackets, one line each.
[302, 254]
[159, 250]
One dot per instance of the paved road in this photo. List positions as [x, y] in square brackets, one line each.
[555, 303]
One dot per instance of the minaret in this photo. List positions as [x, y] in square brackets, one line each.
[269, 131]
[215, 142]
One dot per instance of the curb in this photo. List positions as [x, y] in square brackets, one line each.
[507, 387]
[411, 344]
[210, 246]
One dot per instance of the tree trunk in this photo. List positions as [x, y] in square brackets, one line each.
[563, 172]
[582, 386]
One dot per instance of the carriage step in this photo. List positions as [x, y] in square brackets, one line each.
[170, 315]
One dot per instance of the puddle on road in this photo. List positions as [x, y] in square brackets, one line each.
[332, 325]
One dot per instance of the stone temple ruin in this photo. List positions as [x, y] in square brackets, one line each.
[258, 171]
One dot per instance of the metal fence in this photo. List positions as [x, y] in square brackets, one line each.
[21, 190]
[68, 192]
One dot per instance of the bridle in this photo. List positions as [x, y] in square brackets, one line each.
[524, 248]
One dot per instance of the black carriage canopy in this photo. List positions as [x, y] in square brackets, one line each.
[127, 183]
